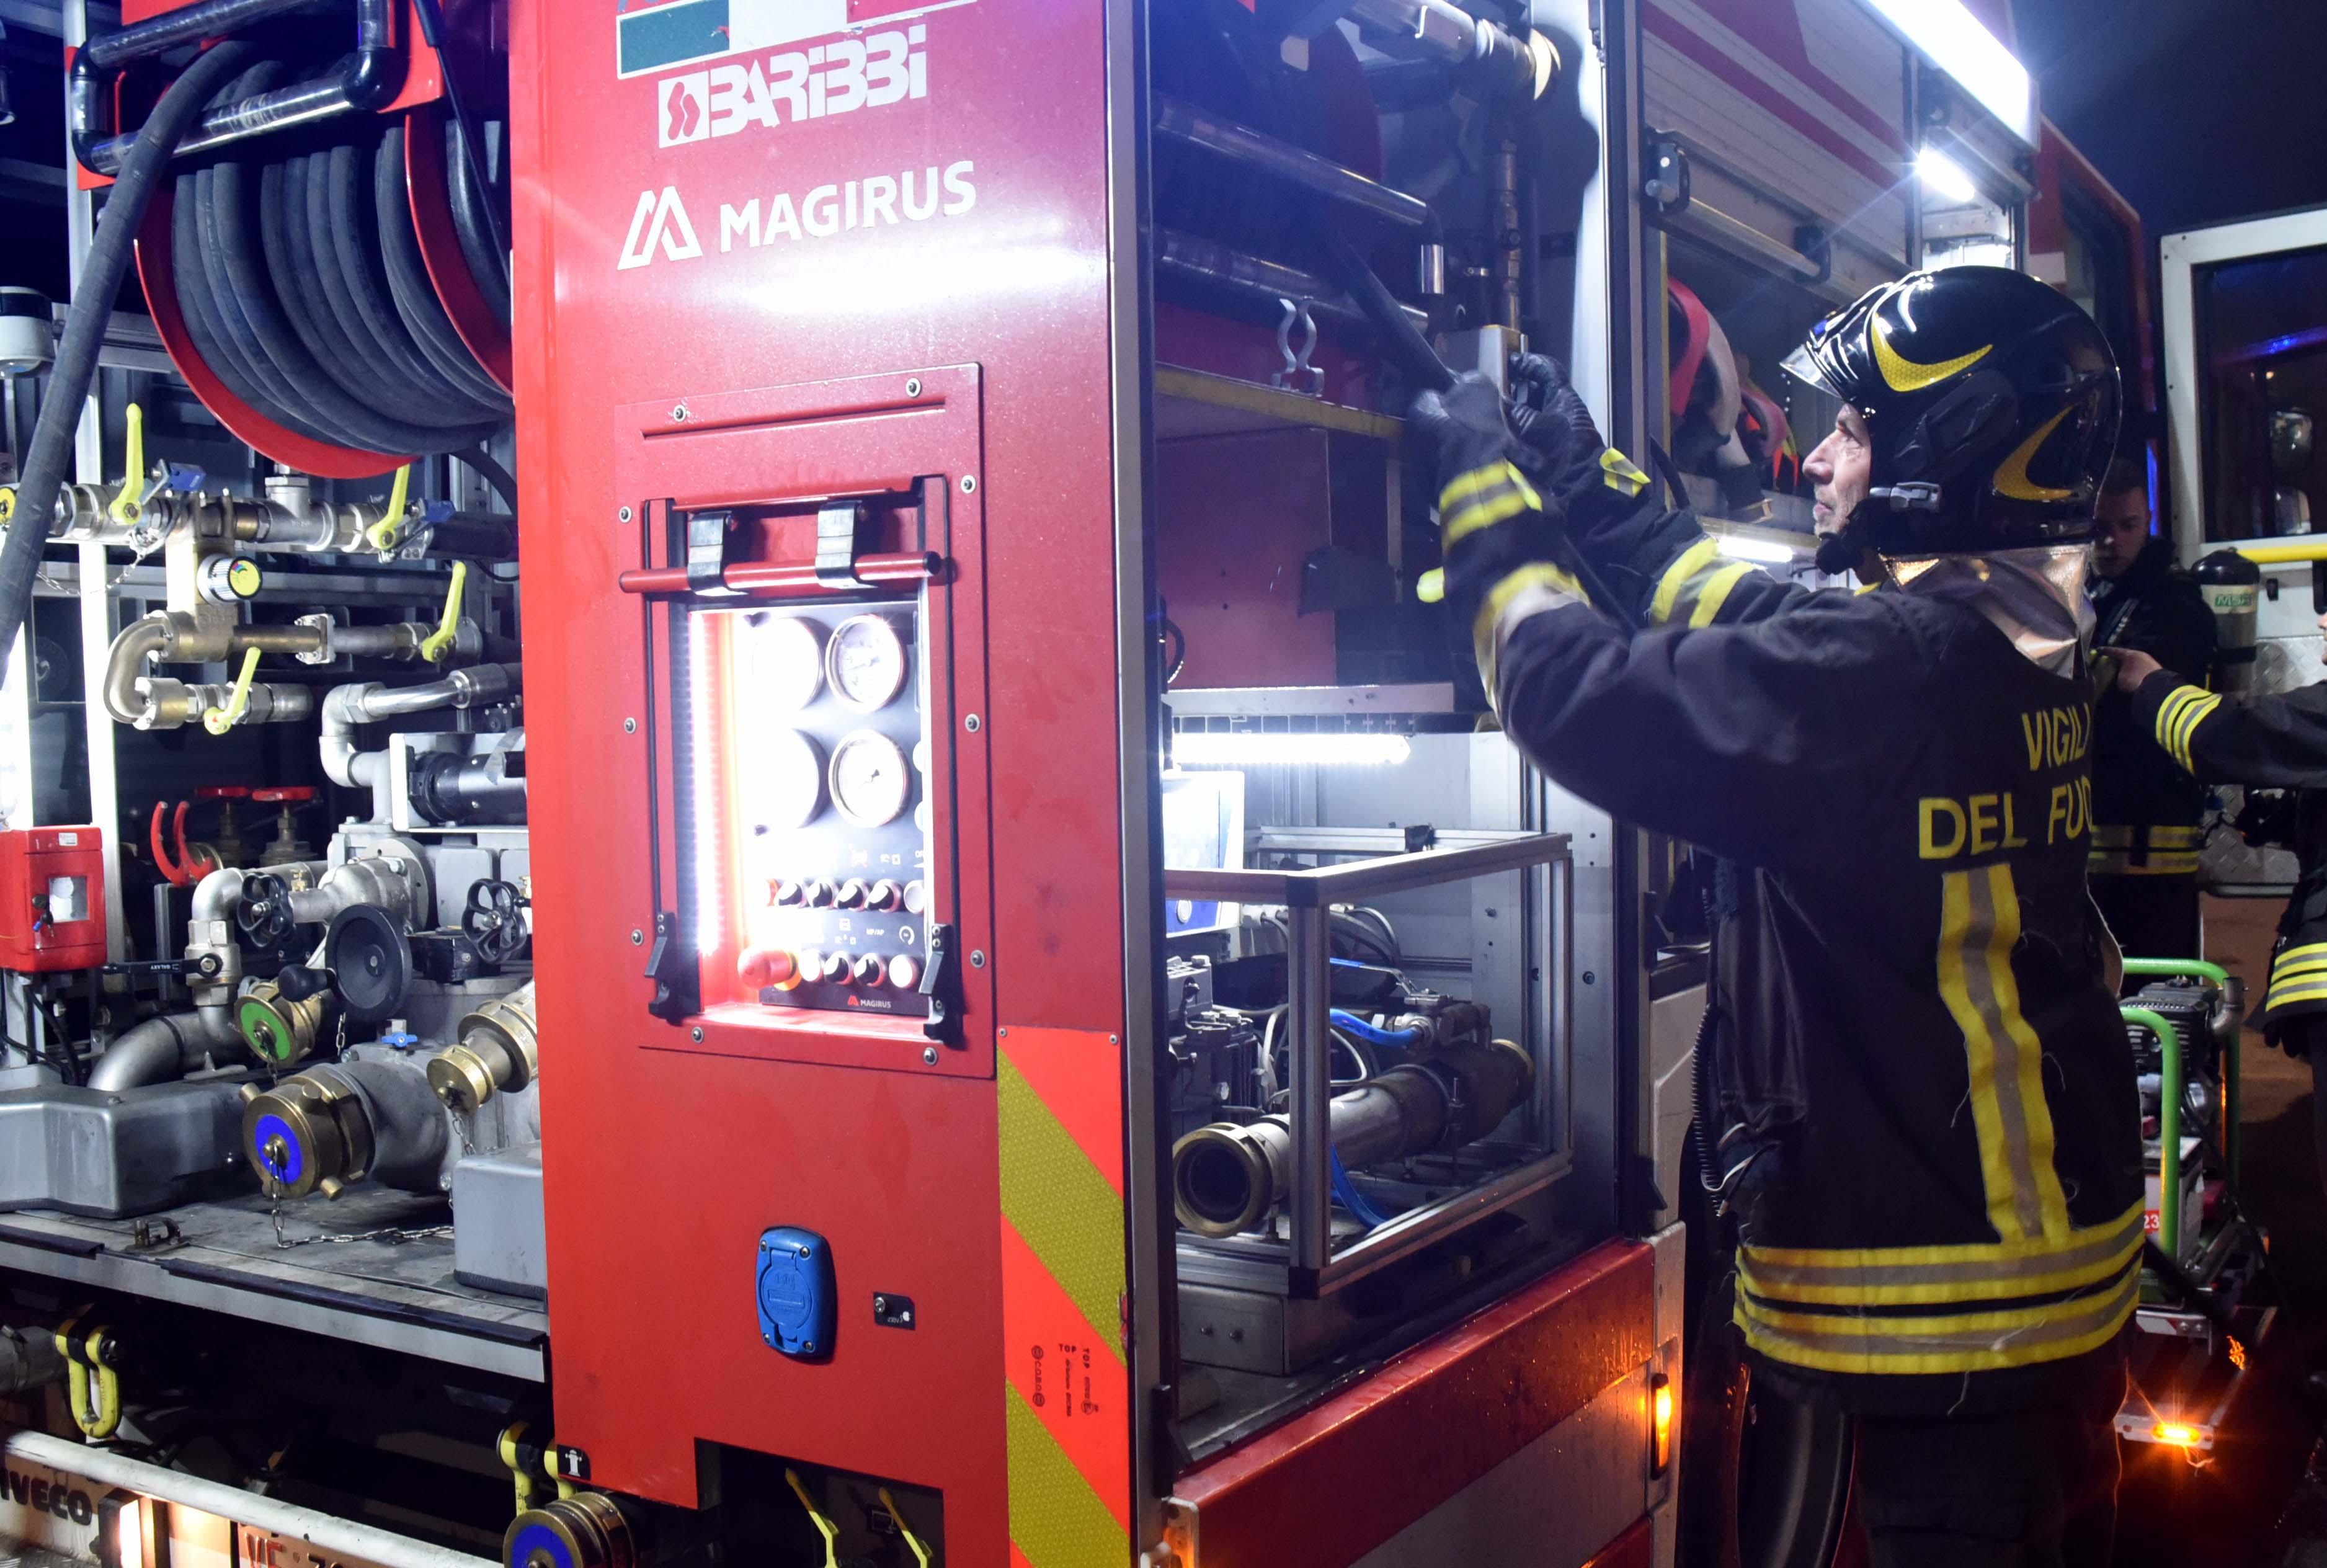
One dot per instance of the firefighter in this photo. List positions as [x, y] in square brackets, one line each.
[1925, 1121]
[2271, 742]
[2145, 810]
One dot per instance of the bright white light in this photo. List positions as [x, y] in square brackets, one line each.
[1766, 552]
[710, 846]
[1957, 42]
[1943, 175]
[1253, 749]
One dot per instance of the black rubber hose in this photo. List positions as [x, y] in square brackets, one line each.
[408, 282]
[340, 228]
[233, 320]
[473, 221]
[490, 470]
[75, 370]
[305, 220]
[301, 295]
[475, 537]
[200, 317]
[320, 397]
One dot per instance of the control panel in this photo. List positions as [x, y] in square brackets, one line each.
[821, 770]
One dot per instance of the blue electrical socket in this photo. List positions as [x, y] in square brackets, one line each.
[793, 1286]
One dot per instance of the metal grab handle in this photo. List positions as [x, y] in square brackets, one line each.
[2169, 1128]
[363, 80]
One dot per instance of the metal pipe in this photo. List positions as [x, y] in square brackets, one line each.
[1310, 981]
[1251, 149]
[1510, 64]
[161, 1049]
[326, 1535]
[139, 641]
[1259, 279]
[365, 79]
[368, 702]
[1227, 1178]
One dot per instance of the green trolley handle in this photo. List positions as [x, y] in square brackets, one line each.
[2169, 1128]
[2180, 967]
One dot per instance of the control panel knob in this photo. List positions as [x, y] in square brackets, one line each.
[868, 970]
[884, 895]
[903, 972]
[764, 967]
[815, 893]
[787, 892]
[850, 895]
[917, 896]
[834, 971]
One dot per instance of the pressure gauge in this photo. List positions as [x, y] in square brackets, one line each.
[866, 662]
[870, 780]
[788, 791]
[784, 668]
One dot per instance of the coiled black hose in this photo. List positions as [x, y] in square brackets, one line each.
[106, 264]
[302, 286]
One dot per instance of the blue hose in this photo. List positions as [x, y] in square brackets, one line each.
[1353, 1201]
[1373, 1034]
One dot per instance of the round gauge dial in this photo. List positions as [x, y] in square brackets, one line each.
[784, 662]
[870, 780]
[789, 785]
[866, 662]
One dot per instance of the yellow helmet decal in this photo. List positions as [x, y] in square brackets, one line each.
[1903, 375]
[2012, 474]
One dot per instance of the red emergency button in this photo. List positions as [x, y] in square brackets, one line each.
[766, 967]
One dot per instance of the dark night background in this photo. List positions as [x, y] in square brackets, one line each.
[2196, 110]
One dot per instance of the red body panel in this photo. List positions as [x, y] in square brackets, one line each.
[666, 1163]
[1392, 1448]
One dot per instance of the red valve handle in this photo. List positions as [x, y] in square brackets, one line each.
[223, 792]
[291, 793]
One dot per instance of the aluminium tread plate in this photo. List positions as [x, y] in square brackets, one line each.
[395, 1294]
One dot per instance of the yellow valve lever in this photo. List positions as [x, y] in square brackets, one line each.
[388, 532]
[1430, 586]
[824, 1526]
[439, 643]
[125, 504]
[8, 502]
[897, 1515]
[219, 721]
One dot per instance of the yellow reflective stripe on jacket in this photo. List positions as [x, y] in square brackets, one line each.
[1695, 586]
[1482, 498]
[2178, 718]
[1617, 472]
[2297, 974]
[1979, 924]
[1529, 591]
[2305, 991]
[1942, 1342]
[1715, 592]
[2159, 863]
[1903, 1276]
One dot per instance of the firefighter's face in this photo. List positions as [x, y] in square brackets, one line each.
[2120, 527]
[1840, 470]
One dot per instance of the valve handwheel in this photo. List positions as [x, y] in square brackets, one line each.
[265, 912]
[291, 795]
[495, 920]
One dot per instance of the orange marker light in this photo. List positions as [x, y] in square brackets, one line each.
[2180, 1433]
[1660, 1417]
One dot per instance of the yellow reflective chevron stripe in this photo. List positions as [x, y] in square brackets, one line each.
[1056, 1519]
[1909, 1343]
[1979, 926]
[2178, 718]
[1482, 498]
[1617, 472]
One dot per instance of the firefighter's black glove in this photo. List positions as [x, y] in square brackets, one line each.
[1493, 520]
[1564, 452]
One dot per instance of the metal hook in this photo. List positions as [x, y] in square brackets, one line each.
[1296, 361]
